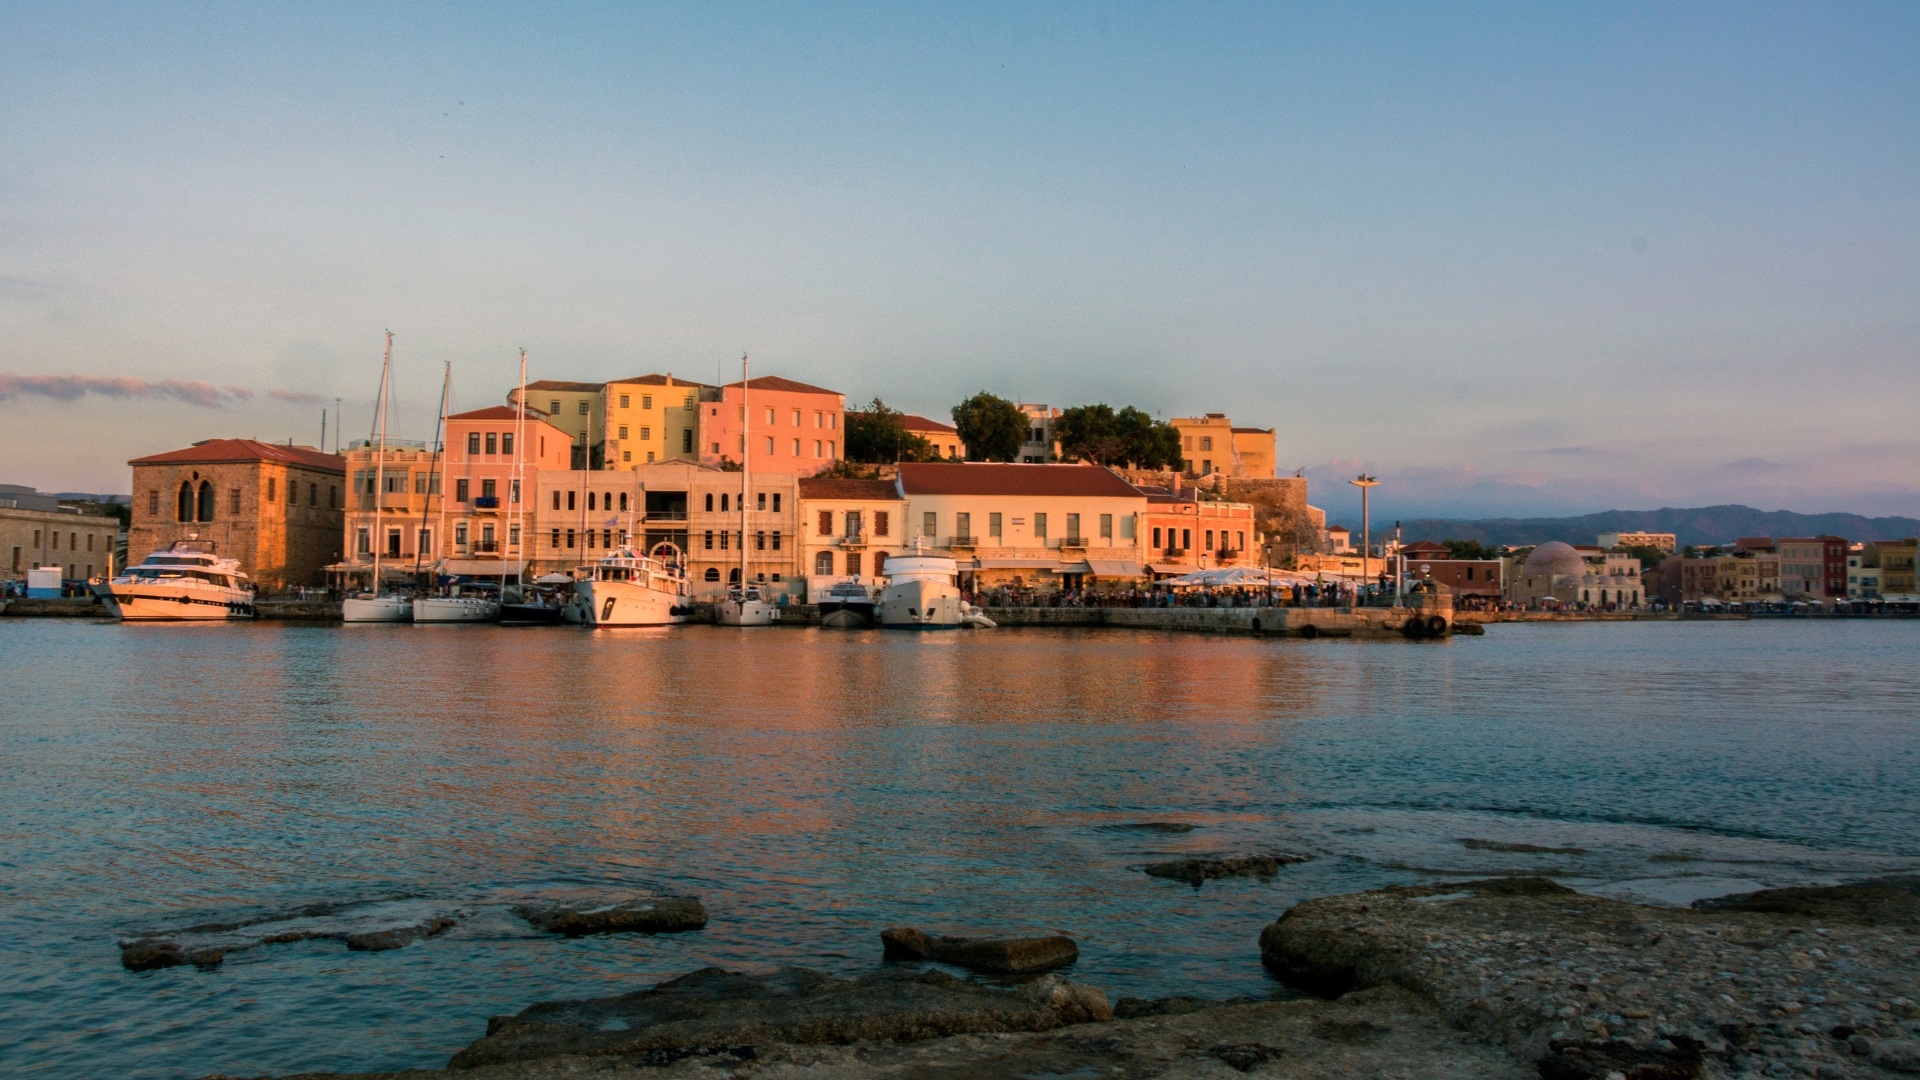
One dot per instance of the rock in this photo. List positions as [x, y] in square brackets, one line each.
[1197, 871]
[1872, 904]
[717, 1008]
[1590, 987]
[646, 915]
[1244, 1057]
[1901, 1056]
[1133, 1008]
[149, 954]
[1008, 955]
[398, 936]
[1518, 849]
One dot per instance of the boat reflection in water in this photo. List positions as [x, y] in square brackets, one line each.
[626, 588]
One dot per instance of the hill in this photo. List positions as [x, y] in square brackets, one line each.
[1700, 525]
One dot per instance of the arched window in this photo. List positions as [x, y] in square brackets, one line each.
[713, 573]
[823, 564]
[733, 576]
[206, 501]
[709, 502]
[184, 511]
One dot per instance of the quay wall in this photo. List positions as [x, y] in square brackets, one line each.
[1287, 621]
[84, 607]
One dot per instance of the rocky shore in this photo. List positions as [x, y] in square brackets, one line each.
[1506, 978]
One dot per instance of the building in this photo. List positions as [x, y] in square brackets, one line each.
[795, 429]
[849, 529]
[1558, 572]
[1254, 449]
[1664, 541]
[575, 408]
[277, 509]
[1339, 539]
[652, 418]
[944, 437]
[1897, 569]
[1211, 444]
[1043, 444]
[1863, 573]
[36, 531]
[393, 507]
[1813, 567]
[1431, 561]
[1027, 525]
[1184, 532]
[484, 510]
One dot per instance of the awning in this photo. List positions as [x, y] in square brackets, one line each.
[1115, 568]
[1168, 568]
[1018, 564]
[480, 567]
[1076, 568]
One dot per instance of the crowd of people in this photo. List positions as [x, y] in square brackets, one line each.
[1282, 594]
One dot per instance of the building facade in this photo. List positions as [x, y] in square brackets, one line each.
[849, 529]
[1430, 561]
[575, 408]
[36, 531]
[652, 418]
[944, 437]
[1813, 567]
[795, 428]
[277, 509]
[1042, 445]
[1026, 525]
[1212, 444]
[1897, 569]
[1184, 532]
[1664, 541]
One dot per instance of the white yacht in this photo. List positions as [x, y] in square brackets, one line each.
[921, 594]
[626, 588]
[455, 609]
[745, 607]
[368, 607]
[185, 581]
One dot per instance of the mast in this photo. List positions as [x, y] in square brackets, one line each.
[433, 470]
[513, 486]
[746, 470]
[446, 400]
[380, 464]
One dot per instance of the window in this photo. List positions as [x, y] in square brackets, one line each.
[556, 538]
[1206, 442]
[963, 526]
[514, 487]
[993, 526]
[333, 494]
[153, 505]
[1073, 526]
[553, 408]
[1240, 542]
[853, 526]
[584, 411]
[89, 541]
[822, 563]
[776, 541]
[713, 572]
[829, 447]
[769, 444]
[591, 500]
[879, 518]
[819, 419]
[796, 418]
[623, 431]
[1106, 526]
[1039, 526]
[425, 540]
[623, 404]
[1156, 538]
[56, 541]
[569, 538]
[1186, 442]
[716, 448]
[16, 551]
[623, 500]
[646, 434]
[930, 524]
[796, 448]
[709, 539]
[776, 502]
[816, 447]
[826, 523]
[570, 504]
[460, 535]
[1186, 538]
[723, 502]
[205, 501]
[506, 443]
[833, 419]
[556, 500]
[760, 541]
[760, 501]
[646, 401]
[1126, 527]
[363, 542]
[493, 443]
[270, 492]
[1209, 539]
[686, 441]
[723, 539]
[770, 419]
[488, 489]
[460, 490]
[473, 442]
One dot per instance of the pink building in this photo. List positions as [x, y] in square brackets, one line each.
[794, 428]
[478, 492]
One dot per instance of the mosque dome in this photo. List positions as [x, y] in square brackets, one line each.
[1554, 559]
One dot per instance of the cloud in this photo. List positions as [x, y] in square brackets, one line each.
[240, 392]
[295, 397]
[1753, 465]
[1569, 450]
[75, 387]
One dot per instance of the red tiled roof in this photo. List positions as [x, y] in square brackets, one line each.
[1426, 545]
[775, 382]
[656, 380]
[501, 412]
[227, 451]
[568, 387]
[984, 478]
[921, 423]
[824, 487]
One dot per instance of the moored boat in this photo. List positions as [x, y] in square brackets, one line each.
[455, 609]
[626, 588]
[384, 608]
[745, 607]
[921, 594]
[186, 582]
[849, 605]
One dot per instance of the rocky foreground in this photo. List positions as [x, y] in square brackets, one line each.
[1505, 978]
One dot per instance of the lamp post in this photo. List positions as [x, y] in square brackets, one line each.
[1366, 484]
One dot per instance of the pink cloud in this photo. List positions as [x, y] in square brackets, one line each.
[74, 387]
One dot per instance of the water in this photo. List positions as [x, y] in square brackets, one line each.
[814, 787]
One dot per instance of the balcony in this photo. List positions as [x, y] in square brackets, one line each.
[486, 502]
[1074, 544]
[963, 543]
[486, 547]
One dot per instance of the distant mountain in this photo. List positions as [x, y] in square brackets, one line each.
[1702, 525]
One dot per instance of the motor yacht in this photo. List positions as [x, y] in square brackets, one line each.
[849, 605]
[626, 588]
[921, 594]
[185, 581]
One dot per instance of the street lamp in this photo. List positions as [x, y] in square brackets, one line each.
[1365, 483]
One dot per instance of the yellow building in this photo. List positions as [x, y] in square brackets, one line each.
[1211, 444]
[1897, 568]
[575, 408]
[1034, 526]
[849, 529]
[652, 418]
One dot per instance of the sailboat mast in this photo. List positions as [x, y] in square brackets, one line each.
[433, 479]
[746, 467]
[513, 486]
[446, 401]
[380, 463]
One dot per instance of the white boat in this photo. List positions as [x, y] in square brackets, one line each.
[849, 605]
[370, 608]
[745, 607]
[185, 581]
[455, 609]
[921, 594]
[626, 588]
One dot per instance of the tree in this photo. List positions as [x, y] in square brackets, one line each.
[992, 428]
[878, 435]
[1129, 437]
[1469, 549]
[1648, 554]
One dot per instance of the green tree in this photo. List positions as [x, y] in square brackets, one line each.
[992, 428]
[1648, 555]
[1469, 549]
[878, 434]
[1129, 437]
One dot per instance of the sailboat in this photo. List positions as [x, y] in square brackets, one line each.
[377, 605]
[530, 606]
[745, 605]
[451, 607]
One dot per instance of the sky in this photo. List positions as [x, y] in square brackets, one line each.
[1512, 259]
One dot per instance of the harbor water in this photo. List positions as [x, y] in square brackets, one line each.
[813, 787]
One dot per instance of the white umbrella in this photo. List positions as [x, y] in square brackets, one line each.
[553, 579]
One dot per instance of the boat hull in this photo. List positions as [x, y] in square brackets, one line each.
[531, 615]
[161, 603]
[848, 615]
[921, 605]
[745, 613]
[455, 609]
[376, 609]
[612, 604]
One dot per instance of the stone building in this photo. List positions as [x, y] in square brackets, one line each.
[1558, 571]
[1212, 444]
[1431, 561]
[945, 438]
[794, 429]
[849, 529]
[277, 509]
[1033, 526]
[36, 531]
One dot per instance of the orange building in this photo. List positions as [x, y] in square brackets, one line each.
[482, 532]
[275, 508]
[794, 427]
[1185, 533]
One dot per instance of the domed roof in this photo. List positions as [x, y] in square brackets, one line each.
[1554, 559]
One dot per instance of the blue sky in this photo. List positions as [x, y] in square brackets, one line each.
[1513, 259]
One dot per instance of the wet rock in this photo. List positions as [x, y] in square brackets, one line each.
[644, 915]
[398, 936]
[1872, 904]
[1244, 1057]
[1007, 955]
[1600, 1060]
[1133, 1008]
[149, 955]
[1198, 870]
[713, 1007]
[1518, 849]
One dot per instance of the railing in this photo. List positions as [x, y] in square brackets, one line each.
[963, 543]
[486, 502]
[486, 547]
[665, 515]
[1174, 553]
